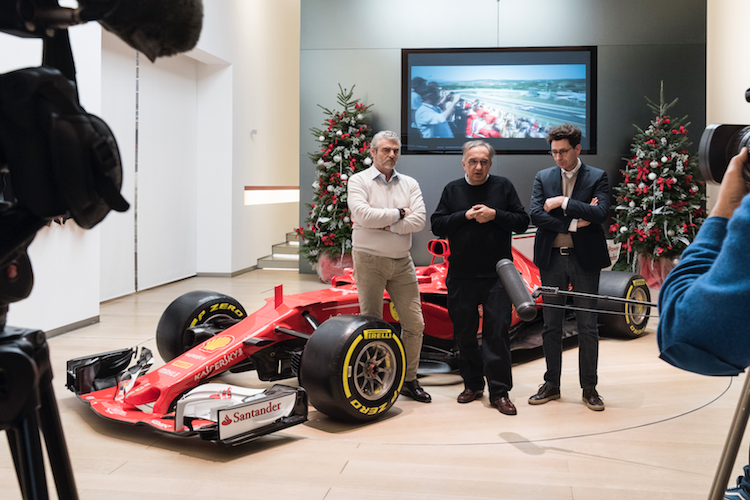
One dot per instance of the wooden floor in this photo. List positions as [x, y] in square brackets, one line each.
[660, 436]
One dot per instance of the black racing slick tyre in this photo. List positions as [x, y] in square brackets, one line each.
[626, 286]
[174, 335]
[353, 368]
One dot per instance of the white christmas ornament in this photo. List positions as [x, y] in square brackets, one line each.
[652, 176]
[338, 132]
[320, 161]
[359, 116]
[321, 138]
[329, 208]
[631, 204]
[337, 158]
[368, 161]
[670, 233]
[330, 189]
[344, 177]
[664, 159]
[346, 219]
[623, 229]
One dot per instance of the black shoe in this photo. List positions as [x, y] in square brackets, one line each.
[593, 400]
[415, 391]
[546, 393]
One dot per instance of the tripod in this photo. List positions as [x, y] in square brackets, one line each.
[732, 444]
[27, 404]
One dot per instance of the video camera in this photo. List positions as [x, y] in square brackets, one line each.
[719, 143]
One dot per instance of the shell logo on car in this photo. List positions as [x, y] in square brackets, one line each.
[217, 343]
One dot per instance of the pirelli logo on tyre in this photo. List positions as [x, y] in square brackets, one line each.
[368, 410]
[222, 306]
[377, 333]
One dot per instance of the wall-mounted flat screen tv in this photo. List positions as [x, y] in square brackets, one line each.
[509, 97]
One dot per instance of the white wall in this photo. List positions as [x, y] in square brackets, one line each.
[215, 179]
[117, 230]
[167, 152]
[263, 47]
[727, 72]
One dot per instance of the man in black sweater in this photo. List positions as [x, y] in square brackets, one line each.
[478, 214]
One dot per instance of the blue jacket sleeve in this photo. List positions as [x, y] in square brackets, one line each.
[703, 303]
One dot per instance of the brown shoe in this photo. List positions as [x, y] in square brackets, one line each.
[469, 395]
[504, 406]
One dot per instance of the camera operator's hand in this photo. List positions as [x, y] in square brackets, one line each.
[733, 187]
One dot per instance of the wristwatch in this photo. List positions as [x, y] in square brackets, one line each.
[401, 213]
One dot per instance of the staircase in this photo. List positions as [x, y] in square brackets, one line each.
[283, 255]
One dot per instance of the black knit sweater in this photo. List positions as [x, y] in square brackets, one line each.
[476, 248]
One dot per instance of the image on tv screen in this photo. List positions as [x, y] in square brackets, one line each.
[509, 97]
[498, 101]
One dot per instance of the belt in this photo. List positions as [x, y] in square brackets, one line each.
[565, 250]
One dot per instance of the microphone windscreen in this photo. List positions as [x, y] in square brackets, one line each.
[156, 28]
[516, 288]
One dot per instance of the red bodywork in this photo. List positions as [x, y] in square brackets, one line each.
[151, 400]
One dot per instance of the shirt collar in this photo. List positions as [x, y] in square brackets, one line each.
[572, 173]
[377, 174]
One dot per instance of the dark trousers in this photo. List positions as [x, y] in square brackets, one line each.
[492, 360]
[562, 271]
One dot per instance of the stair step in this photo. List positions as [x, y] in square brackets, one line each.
[276, 262]
[285, 249]
[293, 238]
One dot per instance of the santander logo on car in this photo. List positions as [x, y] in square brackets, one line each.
[240, 416]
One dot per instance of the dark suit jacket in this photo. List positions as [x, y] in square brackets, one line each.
[590, 242]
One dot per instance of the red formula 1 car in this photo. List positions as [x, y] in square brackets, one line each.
[350, 367]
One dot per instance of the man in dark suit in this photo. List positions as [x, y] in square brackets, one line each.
[569, 204]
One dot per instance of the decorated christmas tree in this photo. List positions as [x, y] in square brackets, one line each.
[661, 201]
[344, 150]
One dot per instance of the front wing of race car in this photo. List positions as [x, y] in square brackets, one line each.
[224, 414]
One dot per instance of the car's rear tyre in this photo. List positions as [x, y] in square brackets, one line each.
[173, 333]
[626, 286]
[353, 368]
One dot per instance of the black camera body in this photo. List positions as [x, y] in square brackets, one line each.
[719, 143]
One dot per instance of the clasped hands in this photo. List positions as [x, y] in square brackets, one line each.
[481, 213]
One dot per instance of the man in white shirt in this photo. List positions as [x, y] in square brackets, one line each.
[387, 207]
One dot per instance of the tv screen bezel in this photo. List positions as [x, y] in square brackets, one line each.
[537, 55]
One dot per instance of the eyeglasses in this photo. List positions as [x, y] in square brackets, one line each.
[562, 152]
[474, 162]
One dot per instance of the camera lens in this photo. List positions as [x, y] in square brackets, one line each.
[719, 143]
